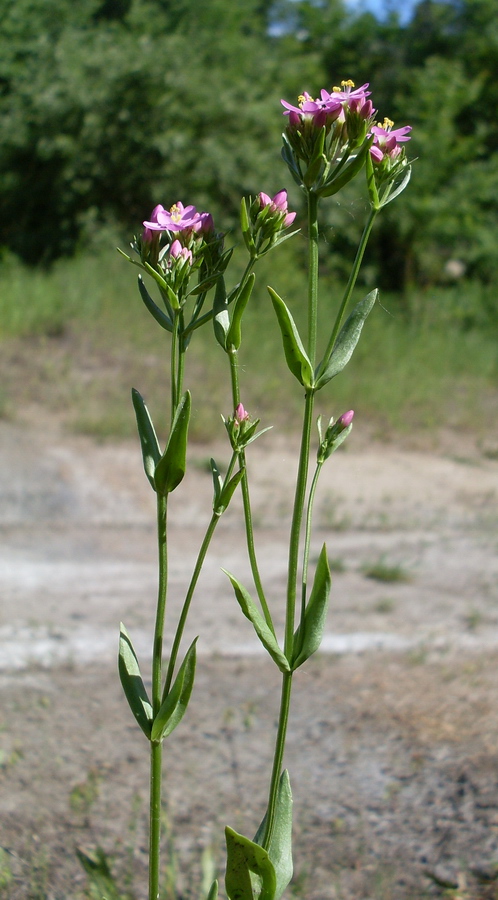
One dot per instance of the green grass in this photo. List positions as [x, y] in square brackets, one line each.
[77, 338]
[389, 573]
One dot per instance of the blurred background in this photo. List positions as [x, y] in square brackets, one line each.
[109, 107]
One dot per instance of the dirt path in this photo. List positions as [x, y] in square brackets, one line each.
[393, 745]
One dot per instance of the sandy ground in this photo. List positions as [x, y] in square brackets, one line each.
[394, 735]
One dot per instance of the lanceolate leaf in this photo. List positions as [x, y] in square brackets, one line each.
[234, 335]
[228, 492]
[295, 354]
[133, 686]
[151, 452]
[347, 339]
[213, 891]
[175, 704]
[160, 316]
[264, 633]
[280, 847]
[171, 467]
[250, 874]
[399, 188]
[221, 319]
[345, 174]
[308, 635]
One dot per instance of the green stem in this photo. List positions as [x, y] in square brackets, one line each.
[313, 275]
[192, 586]
[156, 748]
[174, 363]
[283, 720]
[180, 371]
[307, 538]
[349, 289]
[297, 518]
[246, 500]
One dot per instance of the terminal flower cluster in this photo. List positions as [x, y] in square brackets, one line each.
[264, 220]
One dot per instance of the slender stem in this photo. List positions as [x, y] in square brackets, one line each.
[155, 818]
[174, 364]
[251, 549]
[312, 275]
[349, 288]
[156, 748]
[192, 586]
[283, 720]
[307, 537]
[297, 516]
[157, 652]
[180, 371]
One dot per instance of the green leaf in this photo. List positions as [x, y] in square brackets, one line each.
[213, 891]
[171, 467]
[174, 706]
[347, 340]
[399, 188]
[99, 874]
[280, 848]
[221, 319]
[264, 633]
[151, 452]
[160, 316]
[228, 492]
[131, 680]
[295, 354]
[308, 635]
[173, 299]
[249, 874]
[234, 335]
[371, 183]
[347, 173]
[217, 482]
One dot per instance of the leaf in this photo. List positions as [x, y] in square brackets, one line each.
[173, 299]
[347, 340]
[245, 859]
[228, 492]
[99, 873]
[160, 316]
[174, 706]
[131, 680]
[217, 482]
[399, 188]
[264, 633]
[151, 452]
[171, 467]
[280, 848]
[295, 354]
[234, 335]
[308, 635]
[347, 173]
[213, 891]
[221, 319]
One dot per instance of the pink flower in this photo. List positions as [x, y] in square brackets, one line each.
[178, 251]
[151, 227]
[241, 415]
[346, 419]
[314, 111]
[178, 218]
[346, 94]
[204, 224]
[278, 204]
[387, 141]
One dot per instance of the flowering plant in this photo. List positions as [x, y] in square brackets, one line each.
[327, 142]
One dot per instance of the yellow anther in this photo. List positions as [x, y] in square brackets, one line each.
[347, 83]
[176, 213]
[387, 123]
[301, 99]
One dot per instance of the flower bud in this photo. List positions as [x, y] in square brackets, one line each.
[335, 434]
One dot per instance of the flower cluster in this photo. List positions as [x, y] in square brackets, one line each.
[387, 141]
[179, 240]
[263, 221]
[332, 134]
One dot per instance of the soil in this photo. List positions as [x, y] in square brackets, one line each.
[393, 743]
